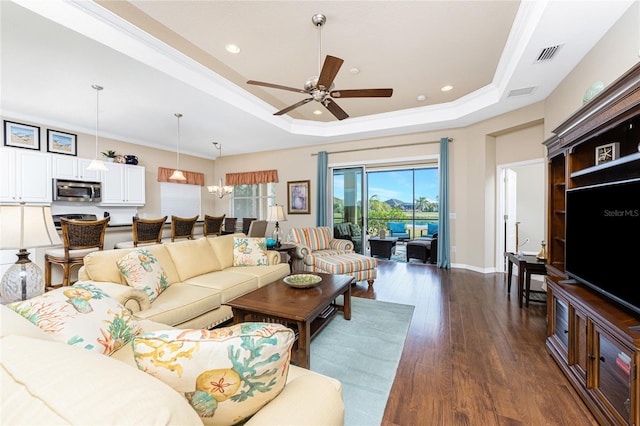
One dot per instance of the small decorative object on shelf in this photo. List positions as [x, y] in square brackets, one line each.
[606, 153]
[543, 251]
[111, 155]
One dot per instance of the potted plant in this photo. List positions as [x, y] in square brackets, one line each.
[111, 155]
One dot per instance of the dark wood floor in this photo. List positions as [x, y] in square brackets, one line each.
[472, 357]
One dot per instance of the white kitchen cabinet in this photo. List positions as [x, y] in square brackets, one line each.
[25, 176]
[122, 185]
[73, 168]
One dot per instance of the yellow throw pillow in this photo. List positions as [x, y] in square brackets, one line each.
[82, 316]
[250, 251]
[142, 270]
[226, 374]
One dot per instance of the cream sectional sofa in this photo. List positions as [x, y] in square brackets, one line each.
[43, 381]
[201, 279]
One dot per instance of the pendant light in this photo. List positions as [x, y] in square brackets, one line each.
[177, 173]
[96, 164]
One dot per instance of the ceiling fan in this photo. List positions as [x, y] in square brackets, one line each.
[321, 87]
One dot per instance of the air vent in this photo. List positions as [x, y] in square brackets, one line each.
[521, 92]
[547, 53]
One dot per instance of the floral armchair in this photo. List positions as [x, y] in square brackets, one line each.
[312, 243]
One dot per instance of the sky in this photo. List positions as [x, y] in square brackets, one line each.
[397, 184]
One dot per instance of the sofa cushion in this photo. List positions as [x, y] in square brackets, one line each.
[227, 283]
[264, 274]
[142, 270]
[82, 316]
[193, 257]
[227, 374]
[180, 303]
[12, 322]
[250, 251]
[47, 383]
[223, 247]
[432, 228]
[101, 265]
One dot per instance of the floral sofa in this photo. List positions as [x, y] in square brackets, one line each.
[184, 284]
[77, 356]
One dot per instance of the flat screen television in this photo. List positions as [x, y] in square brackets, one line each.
[602, 239]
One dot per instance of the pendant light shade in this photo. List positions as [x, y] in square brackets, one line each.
[177, 173]
[96, 164]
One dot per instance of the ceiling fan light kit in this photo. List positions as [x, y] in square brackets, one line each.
[320, 88]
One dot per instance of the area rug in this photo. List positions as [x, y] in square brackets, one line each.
[401, 253]
[363, 354]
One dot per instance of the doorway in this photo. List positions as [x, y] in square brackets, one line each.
[520, 218]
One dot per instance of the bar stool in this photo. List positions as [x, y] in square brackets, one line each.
[145, 231]
[230, 225]
[258, 228]
[182, 227]
[246, 223]
[213, 225]
[79, 238]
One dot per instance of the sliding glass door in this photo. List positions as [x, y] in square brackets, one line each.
[348, 205]
[402, 201]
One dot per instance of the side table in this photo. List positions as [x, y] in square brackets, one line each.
[383, 247]
[527, 265]
[285, 248]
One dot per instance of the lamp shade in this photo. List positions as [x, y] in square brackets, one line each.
[27, 226]
[276, 214]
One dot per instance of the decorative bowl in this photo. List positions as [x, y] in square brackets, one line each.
[302, 280]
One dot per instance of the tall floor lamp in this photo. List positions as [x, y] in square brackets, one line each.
[21, 227]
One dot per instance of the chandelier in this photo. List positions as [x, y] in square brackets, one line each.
[219, 190]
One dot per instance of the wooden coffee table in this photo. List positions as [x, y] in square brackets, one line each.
[307, 310]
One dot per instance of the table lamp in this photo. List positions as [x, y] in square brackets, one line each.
[276, 214]
[25, 226]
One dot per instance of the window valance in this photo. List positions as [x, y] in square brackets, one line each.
[251, 178]
[193, 178]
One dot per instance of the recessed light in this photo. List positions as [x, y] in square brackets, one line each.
[317, 112]
[354, 70]
[421, 98]
[232, 48]
[446, 88]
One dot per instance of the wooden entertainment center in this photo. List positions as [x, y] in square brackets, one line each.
[589, 335]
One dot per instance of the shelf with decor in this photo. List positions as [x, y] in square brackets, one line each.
[594, 311]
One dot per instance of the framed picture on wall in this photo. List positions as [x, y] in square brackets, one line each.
[21, 135]
[298, 197]
[61, 142]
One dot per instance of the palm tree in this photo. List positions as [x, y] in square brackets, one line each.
[421, 204]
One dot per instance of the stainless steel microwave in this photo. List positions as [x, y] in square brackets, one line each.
[73, 190]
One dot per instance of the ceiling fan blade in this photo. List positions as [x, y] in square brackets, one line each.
[276, 86]
[362, 93]
[294, 106]
[329, 71]
[333, 107]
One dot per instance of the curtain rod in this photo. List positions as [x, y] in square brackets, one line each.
[380, 147]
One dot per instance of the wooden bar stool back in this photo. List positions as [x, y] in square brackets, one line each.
[230, 225]
[182, 227]
[213, 225]
[79, 238]
[147, 231]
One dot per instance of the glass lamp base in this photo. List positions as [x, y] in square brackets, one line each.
[23, 280]
[276, 235]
